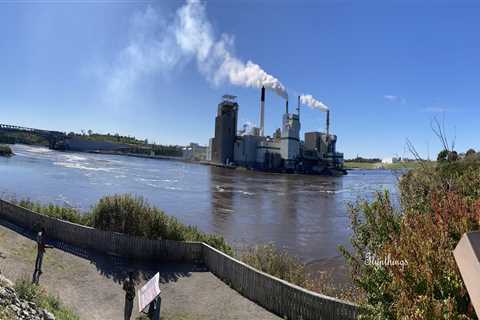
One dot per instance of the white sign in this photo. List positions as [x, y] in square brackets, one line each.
[148, 292]
[467, 256]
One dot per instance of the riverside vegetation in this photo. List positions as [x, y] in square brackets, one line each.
[438, 203]
[5, 151]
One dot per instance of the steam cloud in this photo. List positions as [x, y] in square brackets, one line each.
[310, 101]
[159, 45]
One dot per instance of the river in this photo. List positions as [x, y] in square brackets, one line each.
[307, 215]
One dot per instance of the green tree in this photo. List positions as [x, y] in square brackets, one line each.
[442, 155]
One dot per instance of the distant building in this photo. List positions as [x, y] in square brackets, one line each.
[391, 160]
[209, 149]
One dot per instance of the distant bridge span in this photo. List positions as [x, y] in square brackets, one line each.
[53, 137]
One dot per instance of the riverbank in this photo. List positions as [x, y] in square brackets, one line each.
[353, 165]
[5, 151]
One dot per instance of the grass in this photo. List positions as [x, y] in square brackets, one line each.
[36, 294]
[5, 151]
[6, 314]
[379, 165]
[361, 165]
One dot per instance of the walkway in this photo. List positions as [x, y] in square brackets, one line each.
[91, 285]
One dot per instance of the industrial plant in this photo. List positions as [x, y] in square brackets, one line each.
[284, 151]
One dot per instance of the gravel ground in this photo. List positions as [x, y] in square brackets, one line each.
[91, 285]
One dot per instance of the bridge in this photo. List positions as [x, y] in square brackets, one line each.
[53, 137]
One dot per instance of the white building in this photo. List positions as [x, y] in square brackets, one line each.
[391, 160]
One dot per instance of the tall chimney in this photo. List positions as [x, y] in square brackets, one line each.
[286, 107]
[262, 112]
[298, 108]
[328, 125]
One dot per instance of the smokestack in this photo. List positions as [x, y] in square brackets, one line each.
[286, 107]
[328, 125]
[262, 111]
[298, 108]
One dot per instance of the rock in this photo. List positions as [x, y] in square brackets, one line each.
[47, 315]
[15, 308]
[19, 309]
[4, 282]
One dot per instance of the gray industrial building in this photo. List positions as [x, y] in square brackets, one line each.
[225, 130]
[284, 152]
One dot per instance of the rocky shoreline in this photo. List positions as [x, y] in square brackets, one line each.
[14, 308]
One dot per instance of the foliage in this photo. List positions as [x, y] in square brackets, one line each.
[442, 155]
[55, 211]
[29, 138]
[420, 281]
[278, 263]
[130, 215]
[4, 138]
[34, 293]
[470, 153]
[5, 151]
[6, 313]
[134, 145]
[134, 216]
[364, 160]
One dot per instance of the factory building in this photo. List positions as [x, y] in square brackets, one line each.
[284, 152]
[225, 130]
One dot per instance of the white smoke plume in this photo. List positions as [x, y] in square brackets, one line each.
[309, 100]
[159, 45]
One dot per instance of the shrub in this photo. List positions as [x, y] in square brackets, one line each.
[130, 215]
[55, 211]
[442, 155]
[438, 204]
[134, 216]
[124, 214]
[5, 151]
[278, 263]
[34, 293]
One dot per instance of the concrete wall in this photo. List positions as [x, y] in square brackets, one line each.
[278, 296]
[111, 243]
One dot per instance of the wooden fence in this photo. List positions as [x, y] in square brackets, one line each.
[278, 296]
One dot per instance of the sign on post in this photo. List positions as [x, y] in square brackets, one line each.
[148, 292]
[467, 256]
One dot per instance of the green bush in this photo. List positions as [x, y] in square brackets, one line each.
[34, 293]
[134, 216]
[5, 151]
[130, 215]
[55, 211]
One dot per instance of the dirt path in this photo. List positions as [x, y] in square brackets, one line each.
[91, 285]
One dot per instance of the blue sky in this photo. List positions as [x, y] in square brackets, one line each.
[384, 70]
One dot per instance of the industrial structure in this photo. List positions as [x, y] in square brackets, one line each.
[282, 152]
